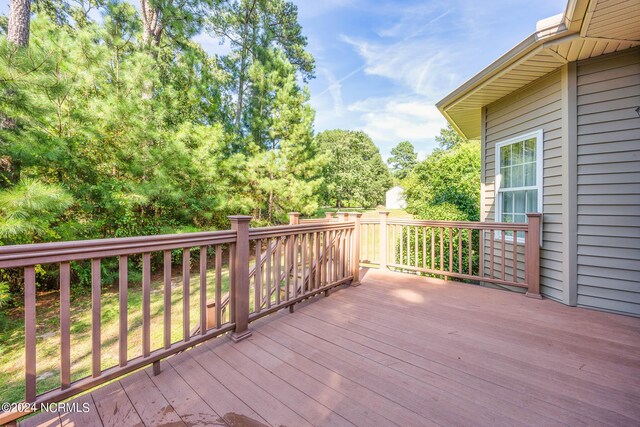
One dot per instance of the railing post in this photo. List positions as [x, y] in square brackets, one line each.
[294, 218]
[343, 216]
[532, 255]
[383, 239]
[328, 216]
[240, 223]
[355, 247]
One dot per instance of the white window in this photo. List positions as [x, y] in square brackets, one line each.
[519, 177]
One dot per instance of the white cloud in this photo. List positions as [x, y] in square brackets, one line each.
[390, 120]
[424, 65]
[334, 88]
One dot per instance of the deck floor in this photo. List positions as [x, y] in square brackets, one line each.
[397, 350]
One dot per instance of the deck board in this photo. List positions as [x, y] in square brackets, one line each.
[152, 407]
[114, 407]
[397, 350]
[189, 406]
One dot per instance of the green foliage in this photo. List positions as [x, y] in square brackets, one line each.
[354, 173]
[29, 209]
[102, 135]
[449, 138]
[403, 159]
[446, 179]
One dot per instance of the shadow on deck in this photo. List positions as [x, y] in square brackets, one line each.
[397, 350]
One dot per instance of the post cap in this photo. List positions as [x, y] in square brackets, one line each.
[356, 214]
[240, 218]
[384, 212]
[294, 213]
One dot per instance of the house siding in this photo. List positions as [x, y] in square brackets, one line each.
[536, 106]
[608, 182]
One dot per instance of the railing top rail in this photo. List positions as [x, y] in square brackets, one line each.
[286, 230]
[509, 226]
[42, 253]
[370, 221]
[314, 220]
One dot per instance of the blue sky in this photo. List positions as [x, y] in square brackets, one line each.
[383, 64]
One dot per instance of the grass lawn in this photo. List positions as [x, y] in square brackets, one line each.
[48, 330]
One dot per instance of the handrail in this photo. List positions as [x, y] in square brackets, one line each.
[500, 253]
[302, 260]
[50, 253]
[231, 311]
[510, 226]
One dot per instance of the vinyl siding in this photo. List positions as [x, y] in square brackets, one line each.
[609, 182]
[537, 106]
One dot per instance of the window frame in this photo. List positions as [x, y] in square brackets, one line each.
[539, 136]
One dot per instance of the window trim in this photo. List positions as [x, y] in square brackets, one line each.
[539, 136]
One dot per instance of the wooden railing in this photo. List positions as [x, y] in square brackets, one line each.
[254, 272]
[505, 254]
[247, 273]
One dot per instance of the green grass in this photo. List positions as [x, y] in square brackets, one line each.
[12, 387]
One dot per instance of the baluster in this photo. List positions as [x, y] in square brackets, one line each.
[366, 246]
[450, 250]
[515, 257]
[167, 299]
[123, 291]
[287, 266]
[296, 260]
[318, 271]
[415, 249]
[470, 250]
[491, 252]
[30, 332]
[424, 247]
[481, 265]
[203, 290]
[268, 273]
[146, 304]
[433, 248]
[441, 249]
[232, 282]
[408, 257]
[304, 245]
[257, 278]
[186, 283]
[65, 326]
[459, 250]
[392, 246]
[218, 295]
[312, 276]
[504, 258]
[278, 269]
[323, 271]
[95, 318]
[330, 257]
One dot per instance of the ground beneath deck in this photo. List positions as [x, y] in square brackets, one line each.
[397, 350]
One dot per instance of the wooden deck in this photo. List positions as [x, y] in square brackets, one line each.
[397, 350]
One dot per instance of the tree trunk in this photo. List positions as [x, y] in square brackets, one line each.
[151, 24]
[19, 18]
[18, 34]
[243, 63]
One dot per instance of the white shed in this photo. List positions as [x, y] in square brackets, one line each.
[395, 198]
